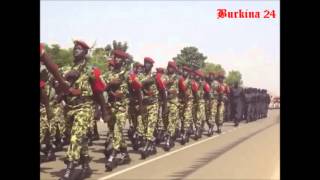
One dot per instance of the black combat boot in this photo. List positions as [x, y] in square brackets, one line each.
[86, 170]
[197, 134]
[69, 171]
[138, 142]
[210, 130]
[124, 156]
[152, 148]
[111, 162]
[108, 148]
[219, 129]
[184, 137]
[169, 143]
[50, 155]
[144, 151]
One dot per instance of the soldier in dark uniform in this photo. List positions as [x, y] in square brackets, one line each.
[237, 102]
[227, 104]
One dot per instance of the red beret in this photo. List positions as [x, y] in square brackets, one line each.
[120, 54]
[81, 43]
[148, 59]
[160, 70]
[199, 73]
[172, 64]
[186, 68]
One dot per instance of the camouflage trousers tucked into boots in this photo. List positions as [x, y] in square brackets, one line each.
[147, 121]
[83, 116]
[171, 117]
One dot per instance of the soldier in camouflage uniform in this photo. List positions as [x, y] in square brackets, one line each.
[171, 116]
[47, 119]
[198, 109]
[135, 103]
[148, 119]
[185, 104]
[118, 101]
[79, 105]
[161, 124]
[207, 96]
[221, 96]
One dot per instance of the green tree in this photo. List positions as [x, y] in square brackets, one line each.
[61, 57]
[211, 67]
[190, 56]
[233, 77]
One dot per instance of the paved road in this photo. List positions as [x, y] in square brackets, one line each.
[250, 151]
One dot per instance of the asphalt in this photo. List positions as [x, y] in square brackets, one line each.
[249, 151]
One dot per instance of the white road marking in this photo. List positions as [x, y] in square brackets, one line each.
[165, 155]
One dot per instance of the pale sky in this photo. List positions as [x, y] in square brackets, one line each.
[161, 29]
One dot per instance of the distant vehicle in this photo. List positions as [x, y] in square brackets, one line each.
[275, 103]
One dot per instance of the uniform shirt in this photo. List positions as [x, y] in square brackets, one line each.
[82, 83]
[150, 91]
[122, 75]
[171, 83]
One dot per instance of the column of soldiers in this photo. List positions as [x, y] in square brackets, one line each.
[170, 105]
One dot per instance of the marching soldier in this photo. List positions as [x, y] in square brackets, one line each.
[221, 97]
[171, 116]
[135, 103]
[185, 106]
[148, 119]
[79, 104]
[207, 96]
[197, 104]
[236, 101]
[117, 100]
[46, 112]
[161, 124]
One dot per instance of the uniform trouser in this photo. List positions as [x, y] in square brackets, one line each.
[119, 112]
[198, 113]
[227, 107]
[133, 115]
[185, 114]
[58, 121]
[214, 109]
[82, 115]
[171, 117]
[220, 113]
[238, 110]
[50, 129]
[147, 121]
[208, 112]
[250, 112]
[161, 120]
[44, 125]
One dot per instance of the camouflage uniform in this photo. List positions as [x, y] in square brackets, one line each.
[118, 108]
[198, 106]
[80, 109]
[185, 108]
[147, 121]
[171, 118]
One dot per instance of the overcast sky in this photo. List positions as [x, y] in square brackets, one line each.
[161, 29]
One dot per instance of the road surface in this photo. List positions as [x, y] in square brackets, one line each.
[250, 151]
